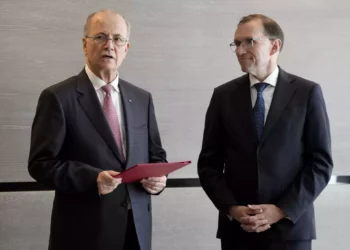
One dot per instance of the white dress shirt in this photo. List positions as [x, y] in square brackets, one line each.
[268, 91]
[116, 97]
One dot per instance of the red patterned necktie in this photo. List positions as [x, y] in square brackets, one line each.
[112, 117]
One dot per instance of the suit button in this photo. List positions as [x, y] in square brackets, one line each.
[124, 204]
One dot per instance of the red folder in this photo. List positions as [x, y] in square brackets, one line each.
[145, 170]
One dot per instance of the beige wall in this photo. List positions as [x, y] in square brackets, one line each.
[179, 51]
[183, 219]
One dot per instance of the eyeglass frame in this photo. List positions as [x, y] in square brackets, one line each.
[248, 41]
[106, 38]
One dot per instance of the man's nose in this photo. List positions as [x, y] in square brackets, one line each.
[240, 49]
[109, 45]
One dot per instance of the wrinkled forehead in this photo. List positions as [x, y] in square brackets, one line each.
[251, 29]
[108, 23]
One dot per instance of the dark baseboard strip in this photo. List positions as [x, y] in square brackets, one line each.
[171, 183]
[35, 186]
[22, 187]
[340, 179]
[183, 183]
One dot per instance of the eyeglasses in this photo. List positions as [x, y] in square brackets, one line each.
[247, 43]
[103, 38]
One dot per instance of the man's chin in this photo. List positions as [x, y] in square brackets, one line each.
[244, 69]
[108, 67]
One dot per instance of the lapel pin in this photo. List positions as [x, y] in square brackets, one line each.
[130, 100]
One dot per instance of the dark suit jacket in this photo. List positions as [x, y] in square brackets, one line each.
[72, 143]
[289, 167]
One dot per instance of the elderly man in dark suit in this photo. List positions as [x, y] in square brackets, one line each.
[266, 152]
[86, 130]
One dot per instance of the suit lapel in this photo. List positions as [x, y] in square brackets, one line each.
[128, 101]
[92, 107]
[281, 97]
[241, 98]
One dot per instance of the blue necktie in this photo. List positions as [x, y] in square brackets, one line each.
[259, 108]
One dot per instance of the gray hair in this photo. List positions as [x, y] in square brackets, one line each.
[89, 18]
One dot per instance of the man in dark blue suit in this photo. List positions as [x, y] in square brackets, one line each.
[266, 152]
[86, 130]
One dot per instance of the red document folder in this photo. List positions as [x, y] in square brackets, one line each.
[142, 171]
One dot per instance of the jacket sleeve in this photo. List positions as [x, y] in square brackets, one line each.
[47, 140]
[211, 159]
[156, 151]
[318, 166]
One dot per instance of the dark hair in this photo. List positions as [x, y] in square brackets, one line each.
[271, 27]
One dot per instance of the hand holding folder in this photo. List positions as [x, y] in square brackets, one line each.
[145, 170]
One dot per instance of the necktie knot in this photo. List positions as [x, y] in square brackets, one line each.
[260, 87]
[107, 89]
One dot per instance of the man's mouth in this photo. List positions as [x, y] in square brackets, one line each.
[108, 56]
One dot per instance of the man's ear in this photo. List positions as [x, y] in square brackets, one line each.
[84, 40]
[276, 46]
[127, 47]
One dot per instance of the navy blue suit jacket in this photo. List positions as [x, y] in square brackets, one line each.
[288, 167]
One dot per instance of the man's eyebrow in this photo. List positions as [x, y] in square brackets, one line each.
[245, 38]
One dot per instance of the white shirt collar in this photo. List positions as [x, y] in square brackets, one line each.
[271, 79]
[98, 83]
